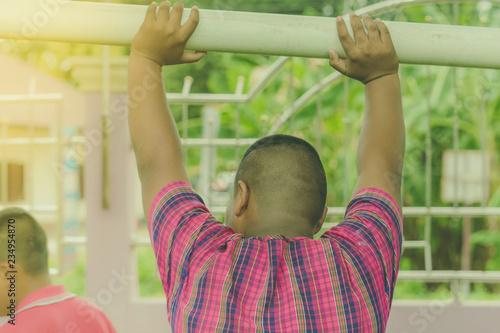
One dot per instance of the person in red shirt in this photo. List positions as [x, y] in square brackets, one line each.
[262, 270]
[28, 300]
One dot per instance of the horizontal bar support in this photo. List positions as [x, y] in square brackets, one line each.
[230, 142]
[340, 211]
[36, 209]
[217, 142]
[48, 141]
[475, 276]
[244, 32]
[414, 244]
[412, 212]
[34, 98]
[203, 99]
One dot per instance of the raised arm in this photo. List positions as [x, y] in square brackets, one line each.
[372, 60]
[155, 139]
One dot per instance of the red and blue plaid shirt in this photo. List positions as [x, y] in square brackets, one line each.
[217, 281]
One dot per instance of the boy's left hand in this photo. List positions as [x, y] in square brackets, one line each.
[162, 38]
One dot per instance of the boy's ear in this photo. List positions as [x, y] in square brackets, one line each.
[242, 197]
[4, 267]
[321, 221]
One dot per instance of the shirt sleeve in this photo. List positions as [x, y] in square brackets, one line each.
[179, 226]
[370, 236]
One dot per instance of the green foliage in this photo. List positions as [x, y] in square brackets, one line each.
[149, 284]
[74, 280]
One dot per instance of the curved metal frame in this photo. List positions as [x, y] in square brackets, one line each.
[374, 9]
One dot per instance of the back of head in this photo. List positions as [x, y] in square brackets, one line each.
[30, 241]
[285, 174]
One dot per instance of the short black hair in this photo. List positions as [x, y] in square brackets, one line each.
[30, 240]
[285, 173]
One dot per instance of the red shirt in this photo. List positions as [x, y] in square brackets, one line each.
[54, 310]
[215, 280]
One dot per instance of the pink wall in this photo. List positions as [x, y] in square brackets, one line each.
[15, 78]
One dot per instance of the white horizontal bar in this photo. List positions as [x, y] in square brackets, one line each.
[237, 98]
[451, 211]
[411, 211]
[33, 98]
[476, 276]
[217, 142]
[230, 142]
[140, 241]
[35, 208]
[74, 240]
[414, 244]
[202, 99]
[41, 141]
[242, 32]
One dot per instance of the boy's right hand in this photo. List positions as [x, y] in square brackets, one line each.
[162, 38]
[371, 55]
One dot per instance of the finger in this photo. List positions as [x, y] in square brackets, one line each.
[345, 39]
[176, 14]
[337, 63]
[191, 24]
[371, 26]
[385, 35]
[163, 12]
[360, 36]
[190, 57]
[151, 12]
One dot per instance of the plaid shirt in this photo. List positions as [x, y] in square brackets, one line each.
[217, 281]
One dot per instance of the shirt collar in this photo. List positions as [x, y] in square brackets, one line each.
[44, 296]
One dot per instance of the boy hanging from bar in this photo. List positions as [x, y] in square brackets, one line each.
[262, 270]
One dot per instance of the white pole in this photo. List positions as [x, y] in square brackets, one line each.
[243, 32]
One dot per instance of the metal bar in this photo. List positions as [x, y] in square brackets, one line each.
[36, 208]
[451, 211]
[60, 182]
[190, 142]
[455, 121]
[332, 211]
[74, 240]
[428, 175]
[476, 276]
[318, 116]
[484, 154]
[346, 197]
[42, 141]
[415, 244]
[240, 86]
[390, 5]
[237, 98]
[31, 167]
[411, 211]
[106, 122]
[4, 165]
[31, 98]
[243, 32]
[455, 137]
[291, 94]
[217, 142]
[188, 82]
[203, 99]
